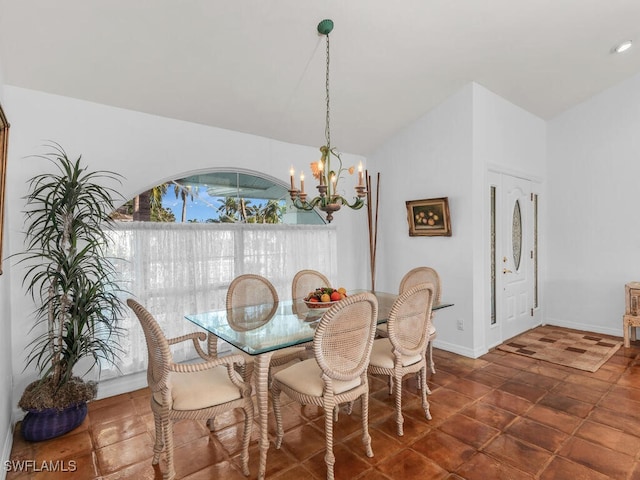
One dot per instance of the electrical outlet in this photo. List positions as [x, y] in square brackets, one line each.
[460, 324]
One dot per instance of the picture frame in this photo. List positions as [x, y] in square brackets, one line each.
[429, 217]
[4, 144]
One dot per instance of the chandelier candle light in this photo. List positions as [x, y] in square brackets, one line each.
[328, 200]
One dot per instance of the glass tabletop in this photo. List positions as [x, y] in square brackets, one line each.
[258, 329]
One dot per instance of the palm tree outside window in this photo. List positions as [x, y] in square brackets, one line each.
[218, 197]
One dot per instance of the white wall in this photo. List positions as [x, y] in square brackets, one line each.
[6, 374]
[431, 158]
[593, 230]
[511, 141]
[446, 153]
[147, 150]
[506, 137]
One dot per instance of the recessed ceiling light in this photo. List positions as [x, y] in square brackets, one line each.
[622, 47]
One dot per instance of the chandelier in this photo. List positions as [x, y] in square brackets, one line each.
[329, 199]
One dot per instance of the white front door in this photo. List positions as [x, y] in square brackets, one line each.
[516, 259]
[514, 251]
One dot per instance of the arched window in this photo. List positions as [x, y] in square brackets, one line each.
[226, 196]
[176, 268]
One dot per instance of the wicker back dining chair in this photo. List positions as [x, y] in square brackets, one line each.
[425, 275]
[419, 275]
[404, 350]
[338, 372]
[247, 290]
[306, 281]
[412, 278]
[196, 391]
[250, 290]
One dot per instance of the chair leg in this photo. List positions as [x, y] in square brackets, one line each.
[426, 385]
[432, 366]
[398, 401]
[329, 457]
[277, 411]
[159, 443]
[420, 383]
[246, 438]
[425, 402]
[350, 408]
[366, 438]
[167, 428]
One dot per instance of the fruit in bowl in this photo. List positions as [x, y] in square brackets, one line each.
[324, 297]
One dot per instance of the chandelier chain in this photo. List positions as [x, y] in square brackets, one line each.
[328, 198]
[327, 129]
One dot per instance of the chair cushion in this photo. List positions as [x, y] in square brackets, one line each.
[306, 377]
[382, 355]
[197, 390]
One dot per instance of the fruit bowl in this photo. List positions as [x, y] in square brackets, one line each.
[319, 305]
[324, 297]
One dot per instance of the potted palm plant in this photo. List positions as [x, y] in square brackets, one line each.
[75, 290]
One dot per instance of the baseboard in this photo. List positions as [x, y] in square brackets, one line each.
[587, 327]
[453, 348]
[124, 384]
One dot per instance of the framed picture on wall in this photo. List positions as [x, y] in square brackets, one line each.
[4, 139]
[429, 217]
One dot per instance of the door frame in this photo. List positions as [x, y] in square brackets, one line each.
[494, 333]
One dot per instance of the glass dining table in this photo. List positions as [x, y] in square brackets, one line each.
[261, 330]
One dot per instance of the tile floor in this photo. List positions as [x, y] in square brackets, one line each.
[501, 416]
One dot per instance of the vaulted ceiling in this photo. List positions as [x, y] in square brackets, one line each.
[258, 66]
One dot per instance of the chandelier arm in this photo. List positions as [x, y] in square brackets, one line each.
[357, 204]
[337, 155]
[308, 205]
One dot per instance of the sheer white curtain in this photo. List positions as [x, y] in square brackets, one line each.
[175, 269]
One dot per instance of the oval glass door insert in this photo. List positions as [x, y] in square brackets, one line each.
[516, 235]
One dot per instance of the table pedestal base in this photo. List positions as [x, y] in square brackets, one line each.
[261, 382]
